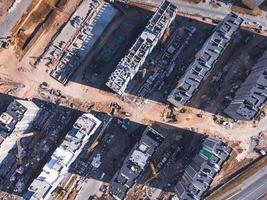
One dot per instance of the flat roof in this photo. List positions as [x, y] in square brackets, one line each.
[53, 172]
[205, 60]
[134, 163]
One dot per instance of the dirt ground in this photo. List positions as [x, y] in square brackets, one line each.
[22, 80]
[241, 178]
[178, 147]
[4, 6]
[42, 16]
[230, 72]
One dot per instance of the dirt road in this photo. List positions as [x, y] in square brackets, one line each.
[23, 72]
[150, 111]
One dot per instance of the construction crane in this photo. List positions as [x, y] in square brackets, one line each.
[155, 174]
[96, 141]
[152, 178]
[17, 137]
[153, 168]
[29, 14]
[92, 147]
[5, 42]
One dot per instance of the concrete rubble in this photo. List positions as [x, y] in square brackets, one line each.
[15, 123]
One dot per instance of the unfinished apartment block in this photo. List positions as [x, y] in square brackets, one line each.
[14, 123]
[135, 163]
[205, 60]
[252, 94]
[72, 44]
[201, 171]
[54, 171]
[145, 43]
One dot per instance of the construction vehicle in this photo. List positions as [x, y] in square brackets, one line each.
[127, 114]
[5, 42]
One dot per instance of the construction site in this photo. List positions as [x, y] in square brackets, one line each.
[130, 99]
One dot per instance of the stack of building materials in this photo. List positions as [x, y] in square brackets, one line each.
[205, 60]
[16, 121]
[252, 94]
[201, 171]
[135, 163]
[70, 47]
[55, 170]
[145, 43]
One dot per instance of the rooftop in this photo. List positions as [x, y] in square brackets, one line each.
[135, 163]
[145, 43]
[205, 60]
[201, 171]
[252, 94]
[14, 114]
[53, 172]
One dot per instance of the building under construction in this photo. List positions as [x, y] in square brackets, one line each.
[199, 174]
[75, 41]
[14, 123]
[205, 60]
[55, 170]
[252, 94]
[145, 43]
[135, 163]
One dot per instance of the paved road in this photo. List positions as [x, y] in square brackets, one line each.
[206, 10]
[253, 188]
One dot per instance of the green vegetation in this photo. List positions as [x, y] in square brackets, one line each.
[206, 153]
